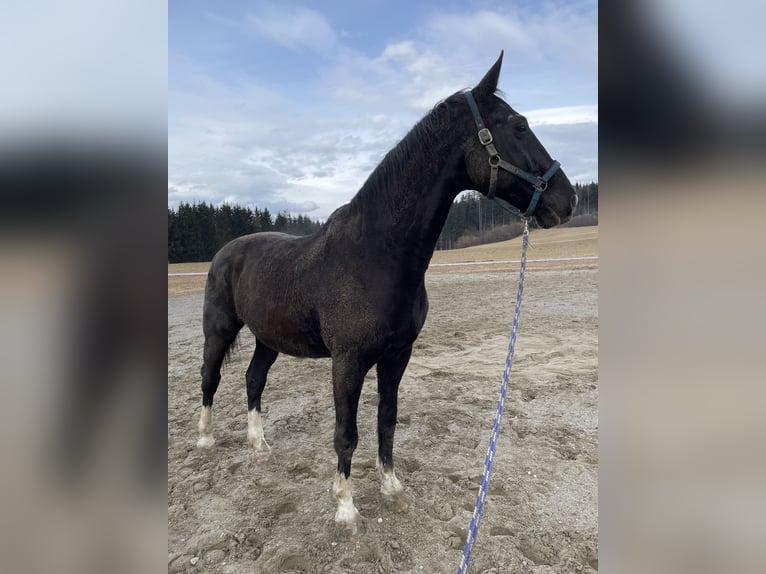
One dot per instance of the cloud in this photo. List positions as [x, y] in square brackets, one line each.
[254, 142]
[546, 48]
[460, 29]
[575, 145]
[563, 115]
[252, 146]
[550, 34]
[398, 50]
[294, 27]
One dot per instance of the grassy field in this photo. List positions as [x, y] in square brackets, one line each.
[543, 244]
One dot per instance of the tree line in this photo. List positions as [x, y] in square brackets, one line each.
[197, 231]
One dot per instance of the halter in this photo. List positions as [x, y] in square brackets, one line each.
[540, 183]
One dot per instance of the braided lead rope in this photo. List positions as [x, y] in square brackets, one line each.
[473, 529]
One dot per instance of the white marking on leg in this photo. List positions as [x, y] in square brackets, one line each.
[205, 428]
[347, 513]
[392, 490]
[255, 437]
[389, 484]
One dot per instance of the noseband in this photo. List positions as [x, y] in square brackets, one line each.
[540, 183]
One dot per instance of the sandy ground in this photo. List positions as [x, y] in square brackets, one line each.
[229, 515]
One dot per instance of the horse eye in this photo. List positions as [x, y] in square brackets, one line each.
[522, 127]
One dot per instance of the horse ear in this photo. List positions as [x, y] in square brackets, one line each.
[488, 83]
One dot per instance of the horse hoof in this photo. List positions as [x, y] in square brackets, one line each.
[398, 502]
[350, 529]
[205, 442]
[261, 456]
[348, 520]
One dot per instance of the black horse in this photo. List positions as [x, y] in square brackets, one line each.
[354, 290]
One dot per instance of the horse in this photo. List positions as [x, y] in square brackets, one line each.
[354, 290]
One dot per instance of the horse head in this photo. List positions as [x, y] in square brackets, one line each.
[504, 159]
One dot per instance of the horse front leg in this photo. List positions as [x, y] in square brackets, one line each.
[390, 371]
[348, 373]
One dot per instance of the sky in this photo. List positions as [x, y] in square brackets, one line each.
[290, 105]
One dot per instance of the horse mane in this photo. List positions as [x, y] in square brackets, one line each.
[383, 187]
[415, 146]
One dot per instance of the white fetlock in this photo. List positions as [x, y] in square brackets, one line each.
[205, 442]
[261, 449]
[392, 489]
[347, 517]
[205, 428]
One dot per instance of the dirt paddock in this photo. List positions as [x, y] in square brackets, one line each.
[226, 514]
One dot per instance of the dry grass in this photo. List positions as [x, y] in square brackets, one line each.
[188, 267]
[186, 284]
[543, 244]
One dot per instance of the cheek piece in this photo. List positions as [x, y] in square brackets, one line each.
[539, 182]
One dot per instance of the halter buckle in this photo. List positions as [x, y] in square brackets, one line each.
[485, 136]
[542, 184]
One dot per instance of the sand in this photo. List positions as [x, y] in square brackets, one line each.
[227, 514]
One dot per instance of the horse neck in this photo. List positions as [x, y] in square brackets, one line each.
[406, 200]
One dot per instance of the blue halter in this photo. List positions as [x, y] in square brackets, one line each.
[540, 183]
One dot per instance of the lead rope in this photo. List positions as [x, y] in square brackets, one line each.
[473, 529]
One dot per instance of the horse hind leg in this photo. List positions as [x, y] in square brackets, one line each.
[221, 328]
[390, 371]
[263, 358]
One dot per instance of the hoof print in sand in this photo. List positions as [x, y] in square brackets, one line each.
[399, 502]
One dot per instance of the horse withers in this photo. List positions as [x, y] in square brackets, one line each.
[354, 290]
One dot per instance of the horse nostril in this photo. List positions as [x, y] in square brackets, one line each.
[573, 202]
